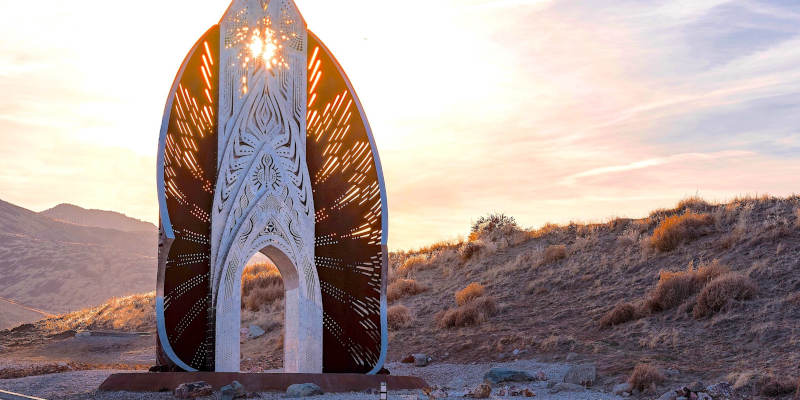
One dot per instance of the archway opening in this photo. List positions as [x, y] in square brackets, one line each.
[263, 315]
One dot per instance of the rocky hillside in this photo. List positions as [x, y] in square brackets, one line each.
[58, 266]
[709, 291]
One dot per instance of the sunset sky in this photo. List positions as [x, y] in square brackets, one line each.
[546, 110]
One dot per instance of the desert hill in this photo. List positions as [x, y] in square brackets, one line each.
[702, 291]
[98, 218]
[58, 266]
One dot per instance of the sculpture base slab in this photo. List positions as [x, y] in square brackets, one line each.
[257, 382]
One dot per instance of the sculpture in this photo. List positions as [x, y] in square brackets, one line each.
[264, 146]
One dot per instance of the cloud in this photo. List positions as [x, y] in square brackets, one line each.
[654, 162]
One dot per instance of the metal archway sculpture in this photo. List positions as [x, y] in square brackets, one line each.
[264, 146]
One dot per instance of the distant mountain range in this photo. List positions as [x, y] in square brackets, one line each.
[67, 258]
[98, 219]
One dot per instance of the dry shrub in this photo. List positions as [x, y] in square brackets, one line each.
[471, 292]
[554, 253]
[403, 288]
[646, 377]
[470, 249]
[411, 264]
[558, 343]
[620, 314]
[473, 313]
[262, 285]
[797, 217]
[674, 288]
[694, 203]
[399, 317]
[720, 291]
[677, 229]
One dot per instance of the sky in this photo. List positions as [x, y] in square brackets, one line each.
[546, 110]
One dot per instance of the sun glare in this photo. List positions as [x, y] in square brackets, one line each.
[265, 46]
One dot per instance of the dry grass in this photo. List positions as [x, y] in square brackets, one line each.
[646, 378]
[774, 386]
[411, 264]
[674, 288]
[402, 288]
[399, 317]
[797, 217]
[471, 292]
[130, 314]
[558, 343]
[470, 249]
[473, 313]
[620, 314]
[262, 285]
[554, 253]
[719, 292]
[678, 229]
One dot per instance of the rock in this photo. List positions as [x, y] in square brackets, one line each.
[83, 334]
[572, 356]
[192, 390]
[696, 387]
[671, 395]
[720, 390]
[623, 388]
[434, 393]
[303, 390]
[566, 387]
[585, 375]
[672, 372]
[703, 396]
[233, 391]
[540, 376]
[515, 352]
[498, 375]
[422, 360]
[483, 391]
[522, 393]
[409, 359]
[255, 331]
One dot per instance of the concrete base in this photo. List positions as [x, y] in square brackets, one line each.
[254, 382]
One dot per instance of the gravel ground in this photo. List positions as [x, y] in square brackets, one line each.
[83, 384]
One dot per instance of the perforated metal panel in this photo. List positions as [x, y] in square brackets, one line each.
[187, 172]
[350, 217]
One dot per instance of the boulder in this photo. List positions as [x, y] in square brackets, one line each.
[192, 390]
[255, 331]
[696, 387]
[483, 391]
[584, 375]
[671, 395]
[303, 390]
[499, 375]
[566, 387]
[233, 391]
[422, 360]
[720, 390]
[623, 388]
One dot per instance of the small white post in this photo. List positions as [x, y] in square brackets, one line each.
[384, 394]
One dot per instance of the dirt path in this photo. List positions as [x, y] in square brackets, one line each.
[83, 384]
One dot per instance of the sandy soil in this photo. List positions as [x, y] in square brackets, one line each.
[83, 384]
